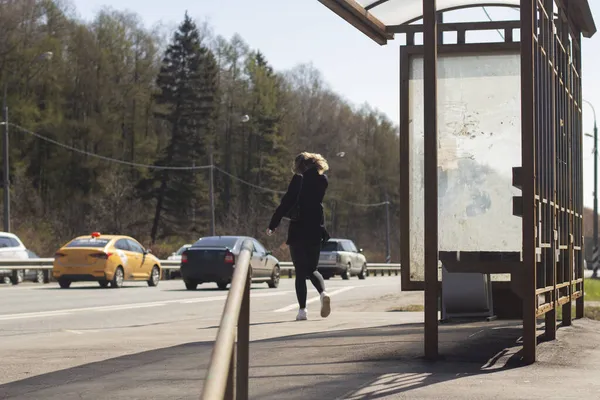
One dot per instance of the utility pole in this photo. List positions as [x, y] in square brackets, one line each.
[212, 195]
[595, 184]
[5, 146]
[388, 254]
[5, 152]
[595, 176]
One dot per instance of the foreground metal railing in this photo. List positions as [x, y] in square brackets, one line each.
[228, 371]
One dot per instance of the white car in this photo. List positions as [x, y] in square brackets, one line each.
[177, 255]
[11, 248]
[341, 257]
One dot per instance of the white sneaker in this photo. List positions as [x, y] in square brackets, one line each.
[301, 315]
[325, 305]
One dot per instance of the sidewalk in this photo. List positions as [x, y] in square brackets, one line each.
[349, 356]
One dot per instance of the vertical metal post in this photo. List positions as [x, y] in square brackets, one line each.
[194, 199]
[243, 343]
[528, 29]
[431, 178]
[388, 254]
[6, 163]
[595, 184]
[332, 227]
[212, 195]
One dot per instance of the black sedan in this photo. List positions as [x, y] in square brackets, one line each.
[212, 259]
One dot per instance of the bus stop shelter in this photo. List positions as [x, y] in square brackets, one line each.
[491, 173]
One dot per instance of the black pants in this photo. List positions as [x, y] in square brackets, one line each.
[306, 259]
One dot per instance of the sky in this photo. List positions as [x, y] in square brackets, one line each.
[293, 32]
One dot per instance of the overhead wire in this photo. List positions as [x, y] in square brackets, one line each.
[174, 168]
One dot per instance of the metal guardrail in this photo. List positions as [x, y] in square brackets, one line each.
[173, 265]
[46, 263]
[224, 380]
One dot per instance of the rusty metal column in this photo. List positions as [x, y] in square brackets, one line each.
[431, 178]
[528, 164]
[243, 343]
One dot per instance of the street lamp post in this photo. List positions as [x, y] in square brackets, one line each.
[5, 155]
[595, 175]
[213, 229]
[5, 147]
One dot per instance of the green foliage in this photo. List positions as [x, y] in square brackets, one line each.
[114, 88]
[187, 102]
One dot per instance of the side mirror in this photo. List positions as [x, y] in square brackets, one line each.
[360, 250]
[148, 251]
[269, 253]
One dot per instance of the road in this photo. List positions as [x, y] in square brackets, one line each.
[44, 329]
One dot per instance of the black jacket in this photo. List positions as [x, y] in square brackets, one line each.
[309, 190]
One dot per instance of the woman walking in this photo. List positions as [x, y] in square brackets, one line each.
[302, 204]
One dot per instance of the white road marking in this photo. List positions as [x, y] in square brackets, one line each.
[314, 299]
[121, 307]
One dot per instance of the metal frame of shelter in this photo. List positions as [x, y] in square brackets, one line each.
[548, 272]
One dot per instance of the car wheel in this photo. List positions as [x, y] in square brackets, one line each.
[275, 277]
[363, 272]
[64, 284]
[154, 277]
[222, 285]
[103, 284]
[326, 277]
[346, 273]
[17, 277]
[39, 276]
[118, 278]
[190, 285]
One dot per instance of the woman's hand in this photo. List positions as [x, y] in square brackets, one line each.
[270, 232]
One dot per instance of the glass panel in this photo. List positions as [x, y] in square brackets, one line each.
[225, 242]
[330, 246]
[259, 248]
[135, 247]
[122, 245]
[397, 12]
[479, 143]
[89, 242]
[8, 242]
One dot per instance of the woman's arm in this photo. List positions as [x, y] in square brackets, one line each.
[287, 202]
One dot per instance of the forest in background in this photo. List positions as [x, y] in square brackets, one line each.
[155, 106]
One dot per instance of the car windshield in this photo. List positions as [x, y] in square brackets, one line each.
[330, 246]
[223, 242]
[89, 242]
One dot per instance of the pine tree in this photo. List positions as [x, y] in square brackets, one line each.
[187, 102]
[267, 161]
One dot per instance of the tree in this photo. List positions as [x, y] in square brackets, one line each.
[187, 101]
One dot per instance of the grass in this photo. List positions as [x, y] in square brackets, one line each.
[591, 312]
[408, 308]
[592, 289]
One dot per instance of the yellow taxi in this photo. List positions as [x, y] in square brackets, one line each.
[106, 259]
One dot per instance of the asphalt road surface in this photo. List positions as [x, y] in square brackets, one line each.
[46, 330]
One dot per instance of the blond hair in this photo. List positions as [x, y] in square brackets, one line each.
[306, 160]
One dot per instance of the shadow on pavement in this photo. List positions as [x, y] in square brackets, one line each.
[368, 363]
